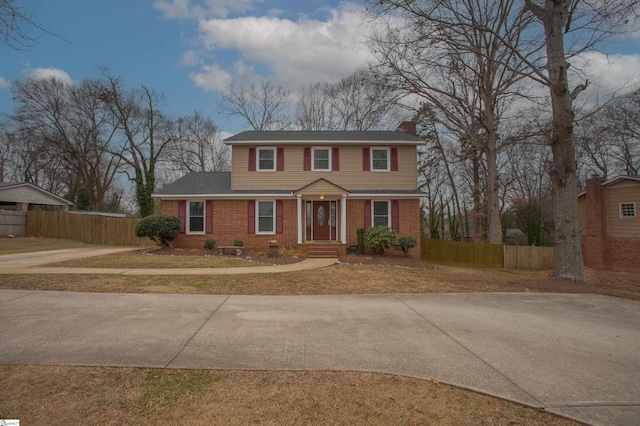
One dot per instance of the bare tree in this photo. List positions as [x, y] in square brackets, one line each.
[357, 102]
[197, 146]
[569, 27]
[26, 157]
[143, 134]
[436, 164]
[14, 23]
[72, 119]
[263, 106]
[314, 110]
[442, 52]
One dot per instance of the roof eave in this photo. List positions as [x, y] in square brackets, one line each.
[325, 142]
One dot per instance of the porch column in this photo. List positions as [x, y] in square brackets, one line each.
[299, 219]
[343, 220]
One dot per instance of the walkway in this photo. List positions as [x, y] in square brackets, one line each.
[31, 263]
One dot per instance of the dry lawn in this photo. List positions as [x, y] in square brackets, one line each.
[338, 279]
[88, 395]
[27, 244]
[146, 259]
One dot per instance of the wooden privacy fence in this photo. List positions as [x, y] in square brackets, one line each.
[13, 223]
[94, 229]
[528, 257]
[488, 255]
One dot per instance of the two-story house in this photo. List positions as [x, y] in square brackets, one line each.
[301, 188]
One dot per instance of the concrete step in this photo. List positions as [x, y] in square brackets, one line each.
[319, 252]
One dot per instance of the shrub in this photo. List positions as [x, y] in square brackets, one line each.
[379, 238]
[238, 243]
[209, 244]
[160, 228]
[406, 243]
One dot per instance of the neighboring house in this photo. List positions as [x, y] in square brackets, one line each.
[301, 188]
[23, 196]
[609, 222]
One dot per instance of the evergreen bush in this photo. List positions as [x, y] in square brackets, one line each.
[160, 228]
[379, 238]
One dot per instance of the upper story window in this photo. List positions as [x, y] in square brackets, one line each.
[321, 159]
[381, 215]
[266, 159]
[380, 159]
[628, 210]
[195, 218]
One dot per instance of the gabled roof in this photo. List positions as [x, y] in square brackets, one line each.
[616, 180]
[290, 137]
[321, 184]
[45, 197]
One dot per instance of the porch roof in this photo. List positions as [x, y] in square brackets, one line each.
[218, 184]
[208, 183]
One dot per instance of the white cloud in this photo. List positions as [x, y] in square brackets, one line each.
[296, 52]
[224, 135]
[173, 9]
[190, 58]
[211, 77]
[51, 72]
[215, 78]
[3, 83]
[608, 73]
[182, 9]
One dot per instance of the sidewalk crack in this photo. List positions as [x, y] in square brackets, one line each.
[470, 351]
[196, 332]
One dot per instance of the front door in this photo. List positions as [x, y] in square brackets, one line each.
[321, 220]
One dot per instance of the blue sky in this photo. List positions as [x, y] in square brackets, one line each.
[190, 49]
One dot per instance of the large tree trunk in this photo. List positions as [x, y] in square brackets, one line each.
[494, 225]
[568, 252]
[477, 215]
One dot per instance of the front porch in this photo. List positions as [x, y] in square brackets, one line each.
[322, 213]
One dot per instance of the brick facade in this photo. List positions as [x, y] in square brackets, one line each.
[594, 241]
[600, 251]
[230, 222]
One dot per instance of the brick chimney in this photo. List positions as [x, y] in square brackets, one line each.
[595, 237]
[408, 127]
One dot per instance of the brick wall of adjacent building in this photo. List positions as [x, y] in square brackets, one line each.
[594, 241]
[231, 223]
[623, 253]
[598, 249]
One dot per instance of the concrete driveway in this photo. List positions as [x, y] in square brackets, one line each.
[575, 355]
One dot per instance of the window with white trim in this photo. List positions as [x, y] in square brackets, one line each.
[380, 159]
[266, 159]
[195, 217]
[321, 159]
[266, 217]
[381, 213]
[627, 210]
